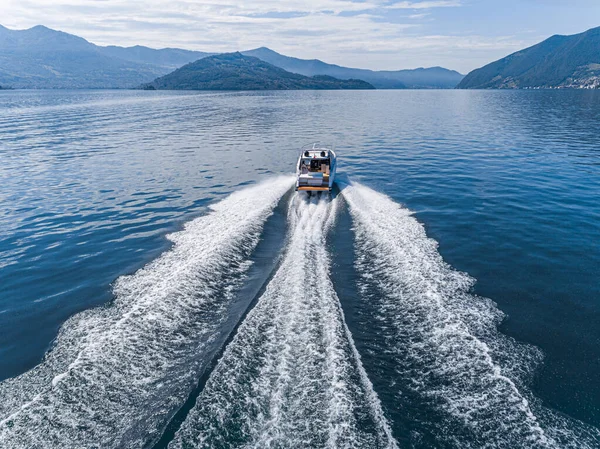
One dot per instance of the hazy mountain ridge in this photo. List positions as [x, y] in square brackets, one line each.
[430, 78]
[44, 58]
[171, 58]
[557, 62]
[235, 71]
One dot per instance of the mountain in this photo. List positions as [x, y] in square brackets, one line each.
[431, 78]
[170, 58]
[234, 71]
[43, 58]
[559, 61]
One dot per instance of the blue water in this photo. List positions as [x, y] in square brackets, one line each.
[507, 183]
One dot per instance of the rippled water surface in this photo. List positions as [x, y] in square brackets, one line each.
[446, 295]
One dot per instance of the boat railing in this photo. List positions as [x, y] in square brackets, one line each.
[316, 146]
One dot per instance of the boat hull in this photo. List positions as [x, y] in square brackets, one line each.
[315, 171]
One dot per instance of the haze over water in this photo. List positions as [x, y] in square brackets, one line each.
[358, 325]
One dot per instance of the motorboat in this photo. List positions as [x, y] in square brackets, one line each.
[315, 171]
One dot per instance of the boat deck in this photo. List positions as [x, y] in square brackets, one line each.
[313, 189]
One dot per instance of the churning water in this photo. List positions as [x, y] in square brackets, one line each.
[269, 318]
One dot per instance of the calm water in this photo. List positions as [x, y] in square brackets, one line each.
[266, 317]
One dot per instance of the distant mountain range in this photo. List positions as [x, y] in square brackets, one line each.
[168, 58]
[234, 71]
[557, 62]
[431, 78]
[44, 58]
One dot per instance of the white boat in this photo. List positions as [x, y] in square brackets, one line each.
[315, 171]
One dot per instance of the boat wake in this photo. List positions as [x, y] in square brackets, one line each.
[117, 374]
[462, 381]
[291, 376]
[433, 371]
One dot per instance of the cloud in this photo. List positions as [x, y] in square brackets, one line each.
[425, 4]
[419, 16]
[355, 33]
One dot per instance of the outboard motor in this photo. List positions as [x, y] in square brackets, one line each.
[306, 153]
[322, 153]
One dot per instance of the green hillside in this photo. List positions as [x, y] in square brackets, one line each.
[560, 61]
[234, 71]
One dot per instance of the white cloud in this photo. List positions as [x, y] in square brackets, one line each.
[339, 31]
[425, 4]
[419, 16]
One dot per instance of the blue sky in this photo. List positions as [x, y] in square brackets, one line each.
[376, 34]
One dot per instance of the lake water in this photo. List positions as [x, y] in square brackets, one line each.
[446, 295]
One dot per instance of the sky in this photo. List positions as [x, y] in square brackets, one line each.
[376, 34]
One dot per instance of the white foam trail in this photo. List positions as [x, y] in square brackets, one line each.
[291, 376]
[444, 340]
[116, 374]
